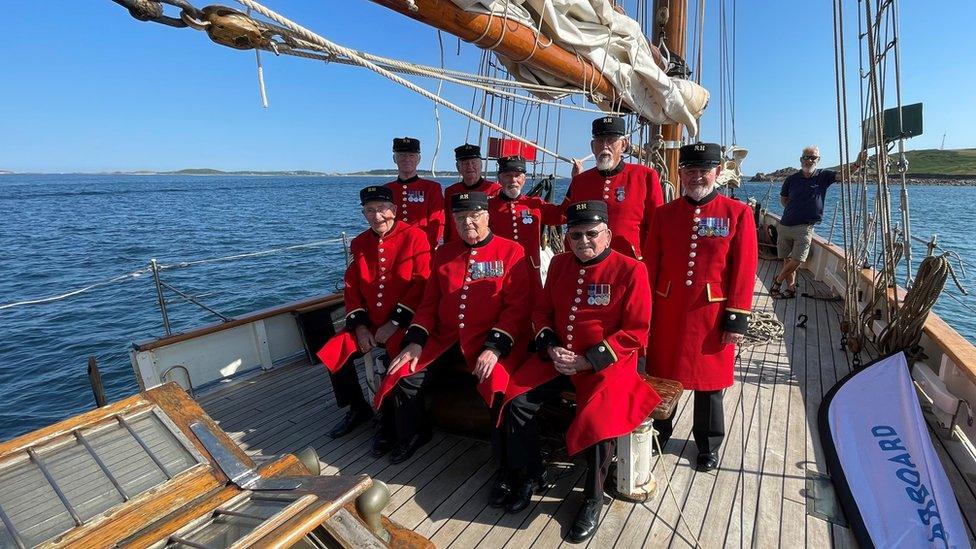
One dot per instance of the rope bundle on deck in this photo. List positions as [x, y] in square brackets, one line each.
[905, 328]
[763, 329]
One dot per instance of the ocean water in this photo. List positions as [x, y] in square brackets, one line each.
[60, 233]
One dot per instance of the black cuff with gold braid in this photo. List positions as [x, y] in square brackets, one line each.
[600, 355]
[544, 339]
[402, 315]
[735, 321]
[500, 341]
[356, 319]
[415, 334]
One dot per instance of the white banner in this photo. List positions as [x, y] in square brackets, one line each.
[887, 474]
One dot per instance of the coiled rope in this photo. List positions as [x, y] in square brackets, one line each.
[763, 328]
[905, 328]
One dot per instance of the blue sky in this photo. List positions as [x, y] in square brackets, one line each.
[91, 89]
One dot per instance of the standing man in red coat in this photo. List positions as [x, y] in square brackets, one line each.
[419, 202]
[475, 301]
[590, 323]
[468, 161]
[384, 284]
[632, 192]
[703, 272]
[520, 218]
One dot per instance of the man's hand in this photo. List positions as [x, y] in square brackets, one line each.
[364, 339]
[581, 364]
[410, 355]
[485, 364]
[732, 337]
[385, 332]
[563, 360]
[577, 168]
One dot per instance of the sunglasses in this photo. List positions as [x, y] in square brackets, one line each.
[808, 157]
[590, 234]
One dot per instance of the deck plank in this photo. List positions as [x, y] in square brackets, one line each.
[757, 495]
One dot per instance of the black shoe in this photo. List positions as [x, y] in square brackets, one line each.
[521, 497]
[352, 419]
[707, 461]
[405, 450]
[501, 488]
[587, 520]
[382, 444]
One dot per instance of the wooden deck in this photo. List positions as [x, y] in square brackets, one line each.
[758, 497]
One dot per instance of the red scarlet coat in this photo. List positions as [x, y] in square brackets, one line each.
[476, 295]
[490, 188]
[632, 193]
[601, 309]
[385, 281]
[521, 220]
[703, 286]
[420, 202]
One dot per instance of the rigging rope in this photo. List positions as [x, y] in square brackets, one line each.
[351, 54]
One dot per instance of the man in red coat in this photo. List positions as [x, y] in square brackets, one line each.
[468, 161]
[475, 302]
[703, 272]
[632, 192]
[384, 284]
[518, 217]
[590, 323]
[419, 201]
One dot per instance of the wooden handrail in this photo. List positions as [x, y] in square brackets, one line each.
[302, 305]
[959, 349]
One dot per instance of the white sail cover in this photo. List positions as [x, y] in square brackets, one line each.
[613, 43]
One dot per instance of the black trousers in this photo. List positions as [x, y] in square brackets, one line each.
[345, 384]
[522, 438]
[708, 425]
[409, 404]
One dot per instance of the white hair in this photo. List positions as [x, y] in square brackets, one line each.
[811, 149]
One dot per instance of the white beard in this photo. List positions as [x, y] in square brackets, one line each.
[808, 171]
[605, 163]
[698, 192]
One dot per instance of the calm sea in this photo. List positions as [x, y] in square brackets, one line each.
[61, 233]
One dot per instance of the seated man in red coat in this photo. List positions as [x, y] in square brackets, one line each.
[591, 320]
[475, 302]
[518, 217]
[703, 279]
[384, 284]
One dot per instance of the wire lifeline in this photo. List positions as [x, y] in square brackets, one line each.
[113, 280]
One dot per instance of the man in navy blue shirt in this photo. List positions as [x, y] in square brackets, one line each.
[802, 197]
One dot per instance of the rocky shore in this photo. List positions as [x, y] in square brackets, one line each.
[942, 180]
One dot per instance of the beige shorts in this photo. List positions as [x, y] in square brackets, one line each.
[794, 242]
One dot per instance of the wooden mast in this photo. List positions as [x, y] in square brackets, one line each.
[511, 39]
[674, 39]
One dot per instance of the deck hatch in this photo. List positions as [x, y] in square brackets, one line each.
[240, 521]
[62, 483]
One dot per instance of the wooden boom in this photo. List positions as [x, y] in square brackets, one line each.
[516, 41]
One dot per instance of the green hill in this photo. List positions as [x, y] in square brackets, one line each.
[959, 162]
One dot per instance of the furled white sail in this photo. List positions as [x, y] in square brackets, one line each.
[613, 43]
